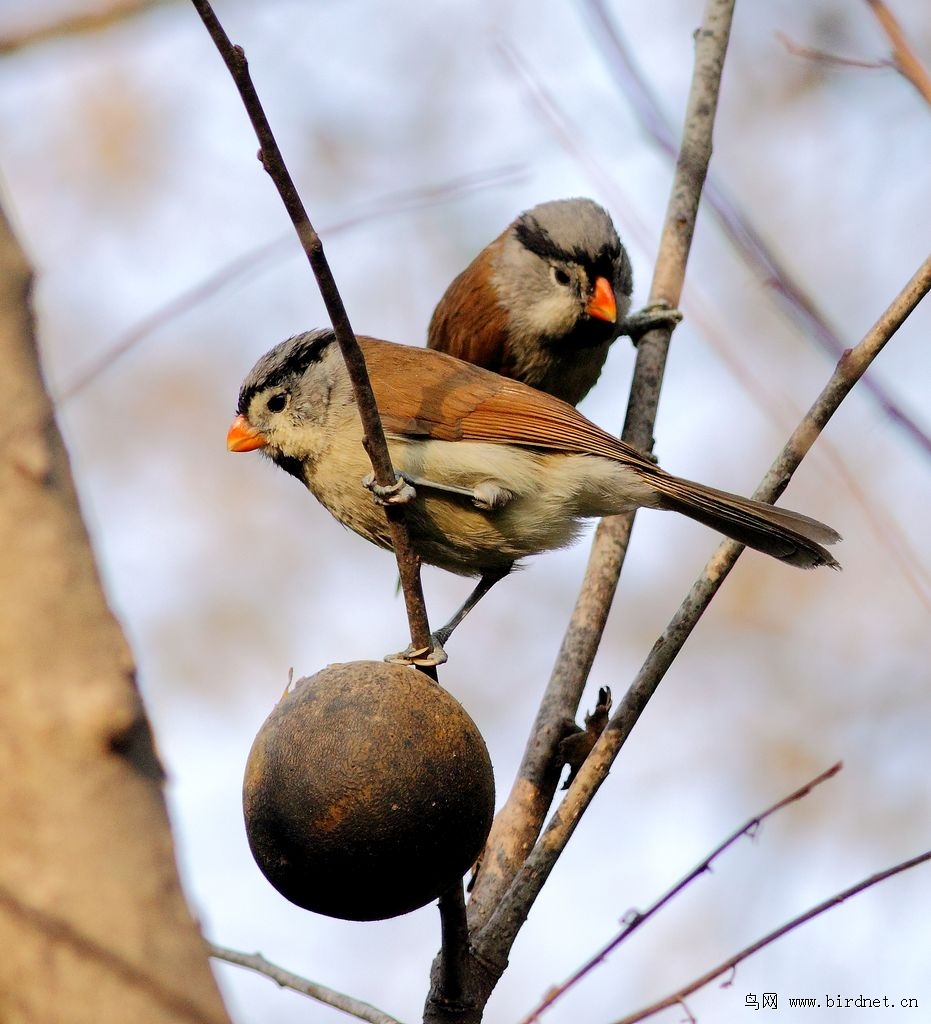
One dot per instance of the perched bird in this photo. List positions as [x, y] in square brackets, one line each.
[543, 302]
[495, 470]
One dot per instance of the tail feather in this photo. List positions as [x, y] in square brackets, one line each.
[788, 536]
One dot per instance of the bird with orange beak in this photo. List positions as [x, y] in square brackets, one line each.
[543, 302]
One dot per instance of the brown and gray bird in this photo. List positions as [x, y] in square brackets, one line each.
[543, 302]
[496, 471]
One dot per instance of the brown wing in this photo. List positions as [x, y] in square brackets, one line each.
[470, 300]
[434, 395]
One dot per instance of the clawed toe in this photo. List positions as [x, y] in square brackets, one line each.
[649, 318]
[421, 657]
[398, 493]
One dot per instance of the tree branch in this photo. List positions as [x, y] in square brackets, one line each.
[253, 260]
[824, 57]
[905, 58]
[256, 962]
[515, 905]
[795, 922]
[374, 439]
[887, 531]
[635, 918]
[76, 25]
[93, 922]
[775, 275]
[518, 823]
[449, 990]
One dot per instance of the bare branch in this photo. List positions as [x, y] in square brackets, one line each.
[256, 962]
[252, 261]
[76, 25]
[518, 823]
[374, 436]
[823, 57]
[450, 989]
[515, 905]
[795, 922]
[634, 919]
[905, 58]
[886, 529]
[795, 301]
[566, 131]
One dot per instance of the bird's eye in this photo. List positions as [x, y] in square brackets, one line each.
[277, 402]
[560, 276]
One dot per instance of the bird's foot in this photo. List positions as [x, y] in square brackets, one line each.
[398, 493]
[577, 743]
[658, 314]
[421, 657]
[487, 495]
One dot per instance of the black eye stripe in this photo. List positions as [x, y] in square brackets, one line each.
[284, 362]
[535, 238]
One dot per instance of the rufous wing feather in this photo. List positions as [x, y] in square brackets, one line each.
[447, 399]
[468, 322]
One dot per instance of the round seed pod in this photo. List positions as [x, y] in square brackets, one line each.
[368, 792]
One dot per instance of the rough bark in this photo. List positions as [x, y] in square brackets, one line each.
[93, 923]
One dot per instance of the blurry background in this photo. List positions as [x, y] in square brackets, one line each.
[129, 168]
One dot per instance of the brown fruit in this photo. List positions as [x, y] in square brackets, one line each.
[368, 792]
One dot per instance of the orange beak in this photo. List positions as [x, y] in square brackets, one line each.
[602, 304]
[243, 438]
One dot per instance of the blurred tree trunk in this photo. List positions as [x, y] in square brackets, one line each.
[93, 924]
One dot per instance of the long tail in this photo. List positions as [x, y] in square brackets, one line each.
[788, 536]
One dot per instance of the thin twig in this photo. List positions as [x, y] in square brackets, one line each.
[515, 905]
[567, 133]
[834, 59]
[794, 299]
[887, 531]
[518, 824]
[634, 919]
[256, 962]
[252, 262]
[76, 25]
[905, 58]
[374, 436]
[795, 922]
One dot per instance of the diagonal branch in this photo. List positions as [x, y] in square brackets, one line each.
[258, 257]
[796, 302]
[887, 531]
[906, 60]
[256, 962]
[514, 907]
[634, 919]
[519, 822]
[374, 439]
[78, 24]
[825, 57]
[728, 965]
